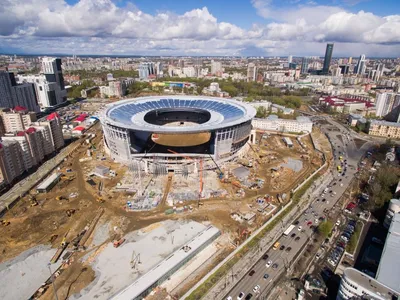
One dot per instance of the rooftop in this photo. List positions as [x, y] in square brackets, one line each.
[368, 283]
[48, 181]
[384, 123]
[389, 266]
[52, 116]
[168, 264]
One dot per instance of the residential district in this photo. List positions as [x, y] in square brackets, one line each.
[200, 177]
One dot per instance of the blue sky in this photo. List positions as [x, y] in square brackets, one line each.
[202, 27]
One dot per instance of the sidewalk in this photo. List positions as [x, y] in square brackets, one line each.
[221, 288]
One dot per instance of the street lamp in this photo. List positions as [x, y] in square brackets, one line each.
[52, 281]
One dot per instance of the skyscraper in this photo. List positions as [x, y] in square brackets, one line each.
[251, 72]
[52, 70]
[304, 65]
[327, 59]
[360, 67]
[146, 69]
[290, 59]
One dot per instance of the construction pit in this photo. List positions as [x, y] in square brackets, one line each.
[95, 208]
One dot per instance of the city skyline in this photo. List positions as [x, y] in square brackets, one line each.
[175, 28]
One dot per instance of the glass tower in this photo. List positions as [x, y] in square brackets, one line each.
[328, 58]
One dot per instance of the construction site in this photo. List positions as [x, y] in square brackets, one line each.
[97, 220]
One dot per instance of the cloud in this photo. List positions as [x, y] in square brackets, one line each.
[102, 27]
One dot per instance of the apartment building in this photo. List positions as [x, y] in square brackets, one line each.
[11, 162]
[17, 119]
[384, 129]
[24, 148]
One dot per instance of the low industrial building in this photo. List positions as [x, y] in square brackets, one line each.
[48, 183]
[162, 271]
[288, 142]
[102, 170]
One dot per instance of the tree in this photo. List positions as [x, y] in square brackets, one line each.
[261, 112]
[325, 228]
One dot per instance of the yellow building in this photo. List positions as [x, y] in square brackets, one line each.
[384, 129]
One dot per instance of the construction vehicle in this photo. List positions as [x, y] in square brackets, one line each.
[118, 243]
[4, 222]
[60, 198]
[236, 183]
[69, 178]
[100, 200]
[70, 212]
[33, 201]
[221, 174]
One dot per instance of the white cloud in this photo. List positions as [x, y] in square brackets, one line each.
[99, 26]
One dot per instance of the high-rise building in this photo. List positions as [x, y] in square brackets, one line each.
[290, 59]
[51, 68]
[146, 69]
[385, 103]
[7, 93]
[361, 66]
[327, 59]
[251, 72]
[13, 94]
[17, 119]
[11, 162]
[350, 60]
[304, 65]
[216, 67]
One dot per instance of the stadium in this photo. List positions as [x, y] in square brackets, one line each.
[172, 133]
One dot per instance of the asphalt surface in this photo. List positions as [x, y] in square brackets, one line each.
[342, 143]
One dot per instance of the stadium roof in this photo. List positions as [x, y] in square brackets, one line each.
[224, 113]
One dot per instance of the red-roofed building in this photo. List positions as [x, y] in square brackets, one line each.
[53, 116]
[346, 105]
[79, 130]
[20, 109]
[30, 130]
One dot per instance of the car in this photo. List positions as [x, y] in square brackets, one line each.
[296, 223]
[292, 235]
[321, 218]
[249, 296]
[337, 222]
[256, 288]
[265, 257]
[266, 276]
[229, 298]
[288, 249]
[297, 238]
[309, 223]
[282, 247]
[268, 264]
[344, 238]
[241, 296]
[317, 200]
[332, 262]
[323, 200]
[275, 266]
[252, 273]
[316, 221]
[299, 228]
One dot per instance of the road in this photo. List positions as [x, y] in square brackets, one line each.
[343, 146]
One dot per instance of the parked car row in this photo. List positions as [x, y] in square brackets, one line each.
[340, 246]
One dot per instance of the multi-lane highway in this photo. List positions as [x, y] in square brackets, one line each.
[280, 259]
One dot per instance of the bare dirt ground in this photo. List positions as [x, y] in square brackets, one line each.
[48, 222]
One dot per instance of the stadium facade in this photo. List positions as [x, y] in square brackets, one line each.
[171, 133]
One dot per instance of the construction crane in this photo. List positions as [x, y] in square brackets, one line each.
[200, 172]
[259, 158]
[221, 174]
[135, 259]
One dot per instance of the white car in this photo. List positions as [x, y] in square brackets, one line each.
[241, 296]
[316, 221]
[337, 222]
[332, 262]
[268, 264]
[256, 288]
[299, 228]
[229, 298]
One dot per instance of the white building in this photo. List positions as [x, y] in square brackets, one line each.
[216, 67]
[251, 72]
[394, 208]
[385, 103]
[356, 284]
[265, 104]
[189, 71]
[273, 123]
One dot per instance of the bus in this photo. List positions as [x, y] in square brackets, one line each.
[289, 230]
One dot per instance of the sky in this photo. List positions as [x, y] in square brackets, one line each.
[201, 27]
